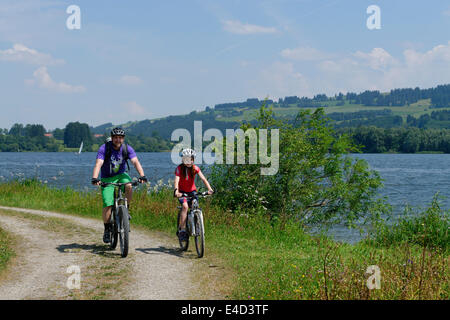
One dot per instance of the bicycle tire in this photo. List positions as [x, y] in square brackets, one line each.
[184, 245]
[123, 230]
[200, 233]
[114, 231]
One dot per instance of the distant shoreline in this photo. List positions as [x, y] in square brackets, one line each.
[137, 151]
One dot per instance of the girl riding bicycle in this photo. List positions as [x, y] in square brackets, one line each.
[185, 183]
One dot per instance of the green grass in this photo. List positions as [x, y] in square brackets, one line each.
[416, 109]
[6, 250]
[269, 262]
[428, 227]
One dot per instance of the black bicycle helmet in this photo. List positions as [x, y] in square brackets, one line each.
[118, 132]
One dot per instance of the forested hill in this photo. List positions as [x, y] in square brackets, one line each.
[423, 108]
[402, 120]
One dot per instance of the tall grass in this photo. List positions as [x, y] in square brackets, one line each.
[6, 250]
[269, 262]
[428, 227]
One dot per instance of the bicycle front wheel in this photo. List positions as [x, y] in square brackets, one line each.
[199, 233]
[124, 229]
[114, 231]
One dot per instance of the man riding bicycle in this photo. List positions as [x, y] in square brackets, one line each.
[111, 160]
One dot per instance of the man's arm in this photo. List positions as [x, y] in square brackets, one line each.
[138, 166]
[97, 167]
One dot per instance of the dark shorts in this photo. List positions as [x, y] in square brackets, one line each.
[182, 199]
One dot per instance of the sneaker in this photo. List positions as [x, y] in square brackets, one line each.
[182, 235]
[107, 234]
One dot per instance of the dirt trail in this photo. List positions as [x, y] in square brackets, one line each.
[49, 243]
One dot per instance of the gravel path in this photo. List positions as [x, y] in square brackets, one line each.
[49, 243]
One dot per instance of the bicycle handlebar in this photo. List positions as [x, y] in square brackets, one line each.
[201, 195]
[118, 184]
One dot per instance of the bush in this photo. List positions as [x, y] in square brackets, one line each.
[317, 182]
[428, 228]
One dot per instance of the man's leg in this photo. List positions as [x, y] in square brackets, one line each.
[106, 214]
[108, 202]
[108, 226]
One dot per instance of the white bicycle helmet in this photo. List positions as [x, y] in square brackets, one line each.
[188, 153]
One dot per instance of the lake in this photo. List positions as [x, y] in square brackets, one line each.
[408, 178]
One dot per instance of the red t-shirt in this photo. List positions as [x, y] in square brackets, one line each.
[187, 183]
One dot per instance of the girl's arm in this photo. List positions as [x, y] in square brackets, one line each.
[202, 177]
[175, 185]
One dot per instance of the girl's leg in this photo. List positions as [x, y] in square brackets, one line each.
[183, 216]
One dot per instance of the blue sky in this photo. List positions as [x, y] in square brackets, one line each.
[135, 60]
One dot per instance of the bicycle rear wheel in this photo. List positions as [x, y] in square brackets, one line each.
[199, 233]
[183, 244]
[123, 230]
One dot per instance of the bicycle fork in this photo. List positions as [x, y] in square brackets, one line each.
[191, 223]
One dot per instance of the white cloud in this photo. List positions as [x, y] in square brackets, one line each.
[439, 53]
[21, 53]
[377, 59]
[280, 80]
[43, 80]
[304, 54]
[376, 69]
[238, 27]
[130, 80]
[379, 70]
[133, 108]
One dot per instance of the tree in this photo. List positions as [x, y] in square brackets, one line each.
[17, 130]
[34, 130]
[317, 181]
[75, 133]
[58, 134]
[411, 142]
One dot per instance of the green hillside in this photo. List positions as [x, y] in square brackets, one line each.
[400, 108]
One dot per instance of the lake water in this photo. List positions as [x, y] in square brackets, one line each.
[408, 178]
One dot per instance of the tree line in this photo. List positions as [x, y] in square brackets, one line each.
[402, 140]
[35, 138]
[440, 97]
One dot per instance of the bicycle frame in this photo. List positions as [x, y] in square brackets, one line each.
[118, 197]
[120, 217]
[194, 224]
[190, 225]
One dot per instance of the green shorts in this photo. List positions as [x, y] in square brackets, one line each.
[108, 191]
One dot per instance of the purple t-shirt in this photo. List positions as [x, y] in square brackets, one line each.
[117, 163]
